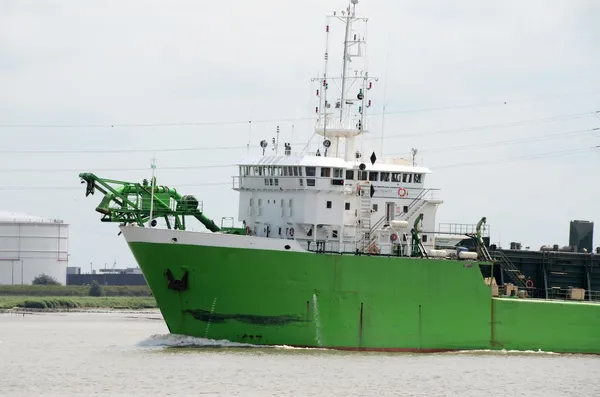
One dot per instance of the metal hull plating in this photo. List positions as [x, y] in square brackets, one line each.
[254, 290]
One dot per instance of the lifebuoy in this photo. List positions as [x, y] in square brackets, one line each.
[394, 237]
[529, 283]
[402, 192]
[374, 249]
[291, 232]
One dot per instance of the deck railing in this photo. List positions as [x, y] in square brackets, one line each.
[555, 293]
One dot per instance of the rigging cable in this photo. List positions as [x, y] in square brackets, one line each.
[393, 136]
[195, 167]
[441, 167]
[232, 122]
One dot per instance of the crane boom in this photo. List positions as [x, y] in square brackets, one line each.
[129, 203]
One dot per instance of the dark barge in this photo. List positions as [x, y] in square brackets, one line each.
[551, 272]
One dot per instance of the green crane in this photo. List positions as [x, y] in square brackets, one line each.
[417, 249]
[132, 203]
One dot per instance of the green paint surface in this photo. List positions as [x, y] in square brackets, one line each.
[306, 299]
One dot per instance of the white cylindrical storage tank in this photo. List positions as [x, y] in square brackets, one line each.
[467, 255]
[31, 245]
[396, 224]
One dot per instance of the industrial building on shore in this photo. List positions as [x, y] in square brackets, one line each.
[112, 276]
[31, 246]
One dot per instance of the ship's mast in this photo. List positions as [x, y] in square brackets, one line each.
[348, 119]
[345, 56]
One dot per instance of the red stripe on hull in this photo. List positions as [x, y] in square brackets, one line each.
[380, 349]
[423, 351]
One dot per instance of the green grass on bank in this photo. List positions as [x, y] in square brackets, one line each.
[73, 290]
[72, 302]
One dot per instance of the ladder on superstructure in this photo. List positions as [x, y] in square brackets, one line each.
[482, 251]
[483, 254]
[416, 205]
[365, 216]
[513, 272]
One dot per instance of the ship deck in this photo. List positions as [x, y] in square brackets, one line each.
[554, 273]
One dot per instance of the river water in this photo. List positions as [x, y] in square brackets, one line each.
[127, 354]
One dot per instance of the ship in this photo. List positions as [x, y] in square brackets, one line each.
[338, 249]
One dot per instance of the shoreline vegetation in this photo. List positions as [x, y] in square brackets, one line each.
[59, 297]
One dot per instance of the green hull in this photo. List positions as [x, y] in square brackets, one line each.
[353, 302]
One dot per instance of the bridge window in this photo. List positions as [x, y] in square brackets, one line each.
[396, 177]
[295, 171]
[334, 234]
[310, 182]
[285, 171]
[373, 176]
[424, 238]
[417, 178]
[337, 182]
[328, 204]
[385, 177]
[325, 172]
[311, 171]
[338, 173]
[407, 178]
[346, 206]
[362, 175]
[350, 174]
[375, 207]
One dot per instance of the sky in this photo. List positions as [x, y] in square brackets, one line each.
[499, 98]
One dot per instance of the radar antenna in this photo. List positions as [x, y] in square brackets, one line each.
[413, 153]
[263, 145]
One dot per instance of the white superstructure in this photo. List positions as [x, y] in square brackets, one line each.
[336, 198]
[31, 245]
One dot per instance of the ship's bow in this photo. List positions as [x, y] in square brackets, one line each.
[164, 268]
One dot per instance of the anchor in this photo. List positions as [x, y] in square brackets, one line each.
[177, 285]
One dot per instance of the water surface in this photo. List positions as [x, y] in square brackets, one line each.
[127, 354]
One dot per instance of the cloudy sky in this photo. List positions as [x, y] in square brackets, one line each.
[499, 98]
